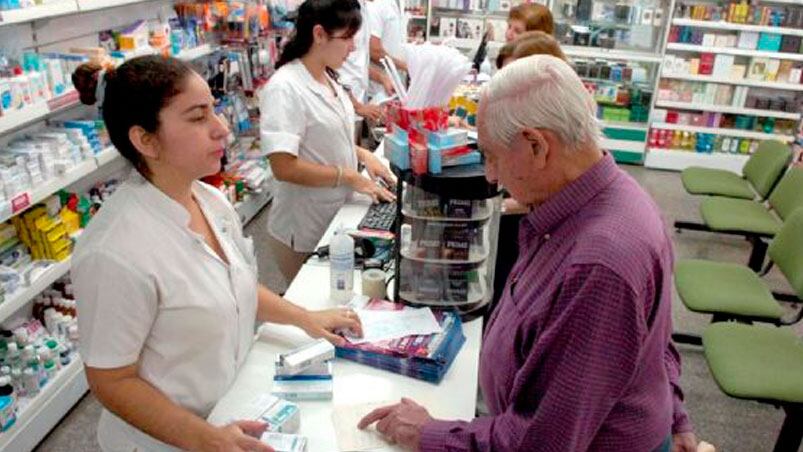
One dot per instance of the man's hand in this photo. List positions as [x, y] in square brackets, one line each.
[400, 423]
[684, 442]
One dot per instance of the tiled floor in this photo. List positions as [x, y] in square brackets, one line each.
[732, 425]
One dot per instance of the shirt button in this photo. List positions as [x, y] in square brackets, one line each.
[547, 236]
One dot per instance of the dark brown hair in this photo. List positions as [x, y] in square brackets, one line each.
[331, 15]
[133, 95]
[535, 17]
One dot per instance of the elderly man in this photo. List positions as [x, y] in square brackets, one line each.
[577, 355]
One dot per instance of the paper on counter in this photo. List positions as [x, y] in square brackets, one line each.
[386, 325]
[349, 437]
[251, 409]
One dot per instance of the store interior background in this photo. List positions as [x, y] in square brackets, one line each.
[729, 424]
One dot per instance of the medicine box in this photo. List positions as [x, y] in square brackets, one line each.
[398, 152]
[308, 355]
[285, 443]
[303, 389]
[770, 42]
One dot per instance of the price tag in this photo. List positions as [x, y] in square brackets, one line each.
[20, 202]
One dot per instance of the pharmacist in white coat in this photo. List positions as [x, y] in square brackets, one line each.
[307, 131]
[388, 38]
[166, 281]
[357, 71]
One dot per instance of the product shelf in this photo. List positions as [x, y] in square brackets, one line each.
[727, 109]
[740, 82]
[734, 51]
[22, 15]
[611, 54]
[727, 132]
[722, 25]
[197, 52]
[625, 125]
[678, 160]
[250, 207]
[623, 145]
[23, 295]
[41, 413]
[22, 201]
[92, 5]
[107, 155]
[11, 121]
[476, 255]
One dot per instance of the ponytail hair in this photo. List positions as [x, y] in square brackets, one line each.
[331, 15]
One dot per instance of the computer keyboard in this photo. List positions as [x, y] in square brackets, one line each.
[380, 217]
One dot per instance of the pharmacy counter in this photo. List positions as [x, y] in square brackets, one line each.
[354, 384]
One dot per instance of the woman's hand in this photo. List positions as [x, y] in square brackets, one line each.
[325, 323]
[400, 424]
[368, 111]
[366, 186]
[377, 169]
[239, 436]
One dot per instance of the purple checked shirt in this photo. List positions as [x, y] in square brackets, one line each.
[577, 355]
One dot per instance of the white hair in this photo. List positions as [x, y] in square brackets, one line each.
[539, 91]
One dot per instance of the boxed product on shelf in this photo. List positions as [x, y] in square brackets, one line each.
[443, 240]
[424, 282]
[742, 13]
[32, 79]
[420, 203]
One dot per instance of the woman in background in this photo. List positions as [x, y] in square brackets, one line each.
[307, 131]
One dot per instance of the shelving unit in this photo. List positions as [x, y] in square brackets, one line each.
[727, 109]
[744, 86]
[252, 205]
[45, 410]
[721, 25]
[22, 15]
[677, 160]
[742, 82]
[729, 132]
[23, 295]
[734, 51]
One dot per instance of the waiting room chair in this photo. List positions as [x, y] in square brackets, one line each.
[760, 363]
[735, 292]
[760, 174]
[752, 219]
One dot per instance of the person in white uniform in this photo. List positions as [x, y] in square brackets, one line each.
[388, 38]
[307, 131]
[357, 71]
[166, 280]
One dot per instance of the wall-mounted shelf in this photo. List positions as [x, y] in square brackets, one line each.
[740, 82]
[727, 109]
[734, 51]
[727, 132]
[737, 27]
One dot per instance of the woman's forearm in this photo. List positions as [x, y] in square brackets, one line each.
[275, 309]
[146, 408]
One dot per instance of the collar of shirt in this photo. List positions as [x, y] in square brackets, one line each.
[172, 210]
[568, 201]
[310, 81]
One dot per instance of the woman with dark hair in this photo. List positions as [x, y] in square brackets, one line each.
[166, 279]
[307, 131]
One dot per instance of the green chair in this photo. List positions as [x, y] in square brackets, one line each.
[760, 363]
[761, 173]
[752, 219]
[735, 292]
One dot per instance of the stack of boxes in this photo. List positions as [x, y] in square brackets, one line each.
[421, 140]
[44, 234]
[305, 373]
